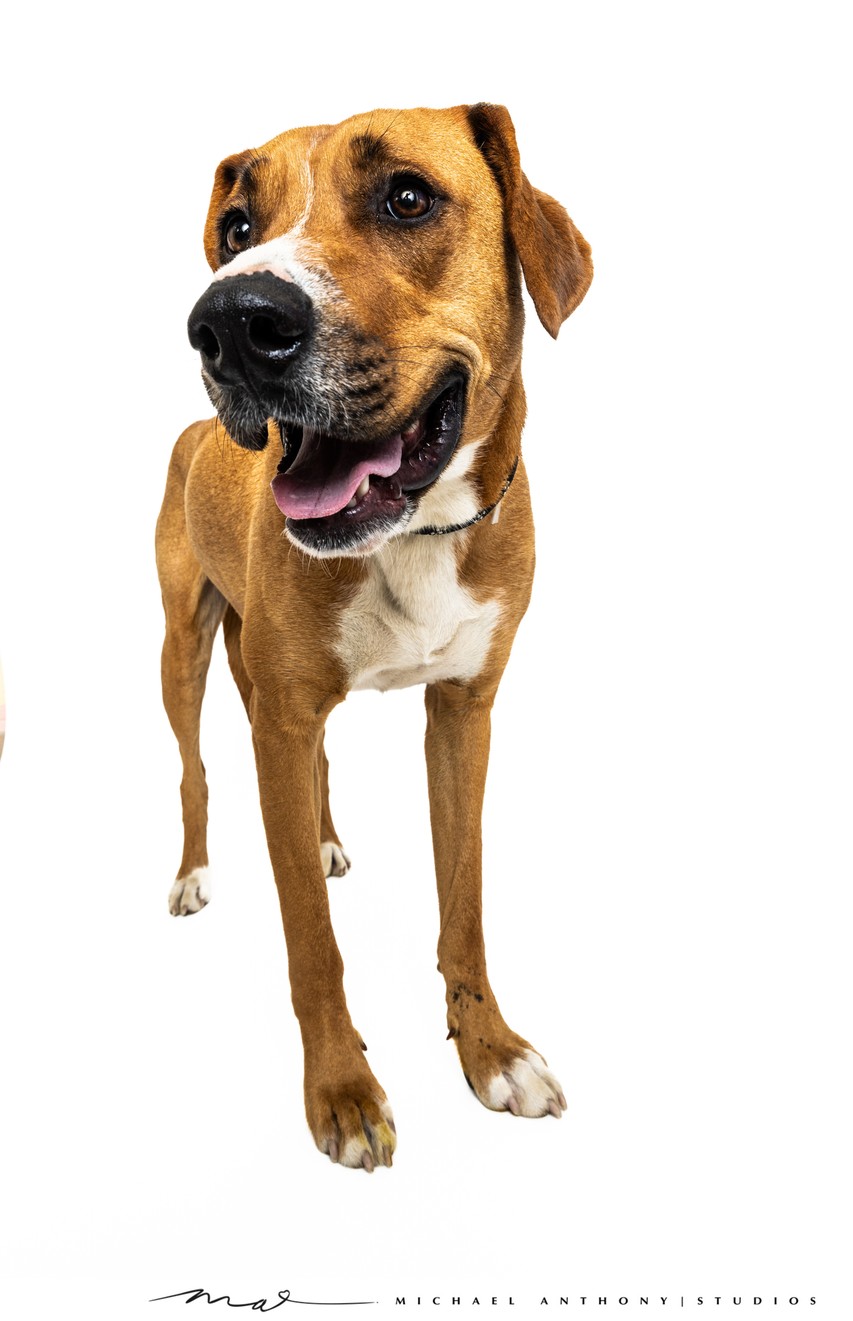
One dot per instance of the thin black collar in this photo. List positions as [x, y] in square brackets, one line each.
[432, 531]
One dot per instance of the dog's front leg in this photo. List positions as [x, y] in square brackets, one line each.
[501, 1067]
[347, 1111]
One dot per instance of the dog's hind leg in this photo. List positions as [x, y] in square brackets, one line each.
[335, 861]
[192, 618]
[232, 627]
[194, 610]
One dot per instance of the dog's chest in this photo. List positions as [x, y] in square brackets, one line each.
[411, 621]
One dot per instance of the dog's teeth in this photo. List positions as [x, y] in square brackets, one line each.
[361, 492]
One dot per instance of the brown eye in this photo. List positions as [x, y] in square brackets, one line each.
[409, 201]
[238, 234]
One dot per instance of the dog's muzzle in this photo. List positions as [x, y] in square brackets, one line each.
[250, 329]
[343, 488]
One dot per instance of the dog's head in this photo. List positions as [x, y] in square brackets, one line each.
[366, 300]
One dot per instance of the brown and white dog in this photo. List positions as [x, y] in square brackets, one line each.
[361, 342]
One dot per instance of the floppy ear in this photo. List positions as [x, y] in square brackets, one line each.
[228, 174]
[555, 257]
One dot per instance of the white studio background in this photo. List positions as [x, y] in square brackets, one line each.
[667, 822]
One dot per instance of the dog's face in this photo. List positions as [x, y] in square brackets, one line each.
[366, 300]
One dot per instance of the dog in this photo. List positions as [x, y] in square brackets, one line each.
[361, 344]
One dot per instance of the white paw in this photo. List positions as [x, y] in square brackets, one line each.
[335, 861]
[373, 1145]
[190, 893]
[527, 1088]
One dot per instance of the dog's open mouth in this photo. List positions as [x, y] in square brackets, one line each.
[337, 491]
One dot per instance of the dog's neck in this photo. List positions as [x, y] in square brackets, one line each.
[498, 458]
[431, 530]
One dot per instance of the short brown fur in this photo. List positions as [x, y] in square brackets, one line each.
[222, 557]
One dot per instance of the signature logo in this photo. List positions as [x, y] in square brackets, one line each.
[259, 1304]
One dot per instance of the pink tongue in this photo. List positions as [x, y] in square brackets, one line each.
[326, 473]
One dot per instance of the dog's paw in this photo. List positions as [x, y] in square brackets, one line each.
[526, 1087]
[190, 893]
[353, 1126]
[501, 1068]
[335, 861]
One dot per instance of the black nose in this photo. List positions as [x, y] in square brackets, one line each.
[250, 327]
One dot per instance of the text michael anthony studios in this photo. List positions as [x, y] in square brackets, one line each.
[606, 1300]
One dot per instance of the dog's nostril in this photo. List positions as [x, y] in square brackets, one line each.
[208, 344]
[266, 336]
[250, 328]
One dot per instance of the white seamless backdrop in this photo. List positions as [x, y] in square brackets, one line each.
[667, 845]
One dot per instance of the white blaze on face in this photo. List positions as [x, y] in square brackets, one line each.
[278, 256]
[290, 256]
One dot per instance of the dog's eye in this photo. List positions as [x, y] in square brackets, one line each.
[238, 234]
[409, 200]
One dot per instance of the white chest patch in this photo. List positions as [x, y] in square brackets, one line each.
[411, 620]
